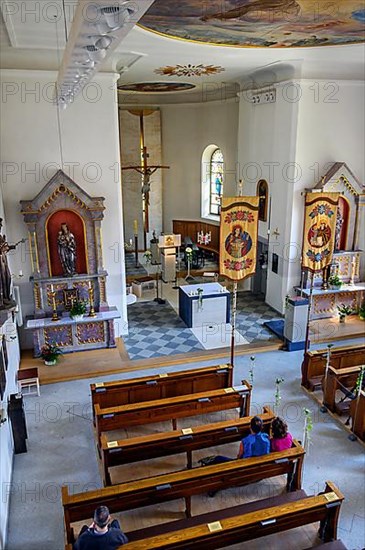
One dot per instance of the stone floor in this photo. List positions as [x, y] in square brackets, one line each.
[61, 451]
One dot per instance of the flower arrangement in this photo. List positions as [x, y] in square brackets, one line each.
[344, 311]
[78, 309]
[308, 427]
[278, 383]
[252, 367]
[50, 353]
[189, 253]
[334, 281]
[147, 256]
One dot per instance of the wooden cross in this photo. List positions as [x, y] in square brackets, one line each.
[146, 172]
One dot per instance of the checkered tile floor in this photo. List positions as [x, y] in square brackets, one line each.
[156, 330]
[130, 266]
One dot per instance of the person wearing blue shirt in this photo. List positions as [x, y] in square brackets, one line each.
[257, 443]
[102, 534]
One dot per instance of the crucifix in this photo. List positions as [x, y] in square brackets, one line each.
[146, 171]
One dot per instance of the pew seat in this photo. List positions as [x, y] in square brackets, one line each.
[244, 522]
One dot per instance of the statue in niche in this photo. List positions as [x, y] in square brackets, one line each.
[66, 244]
[5, 275]
[338, 230]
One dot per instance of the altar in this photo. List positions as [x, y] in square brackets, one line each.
[203, 304]
[64, 231]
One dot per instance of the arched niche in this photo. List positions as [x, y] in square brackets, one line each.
[262, 190]
[342, 224]
[76, 225]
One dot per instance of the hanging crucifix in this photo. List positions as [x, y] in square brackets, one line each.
[146, 171]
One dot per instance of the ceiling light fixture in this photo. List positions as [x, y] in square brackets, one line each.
[97, 29]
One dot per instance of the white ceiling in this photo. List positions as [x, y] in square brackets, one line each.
[30, 41]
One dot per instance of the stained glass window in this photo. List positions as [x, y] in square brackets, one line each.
[216, 181]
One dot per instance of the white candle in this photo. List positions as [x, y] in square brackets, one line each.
[90, 286]
[135, 227]
[20, 273]
[51, 287]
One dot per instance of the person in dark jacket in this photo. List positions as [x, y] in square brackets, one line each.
[102, 534]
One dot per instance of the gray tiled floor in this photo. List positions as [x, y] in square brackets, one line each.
[156, 330]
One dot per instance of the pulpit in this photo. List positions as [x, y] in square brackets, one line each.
[64, 230]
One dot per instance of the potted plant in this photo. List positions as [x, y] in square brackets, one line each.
[50, 354]
[343, 312]
[78, 310]
[361, 312]
[334, 282]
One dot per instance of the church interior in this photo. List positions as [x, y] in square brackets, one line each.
[182, 238]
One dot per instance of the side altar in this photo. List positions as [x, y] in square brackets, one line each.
[64, 230]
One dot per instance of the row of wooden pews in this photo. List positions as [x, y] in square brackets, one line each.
[314, 363]
[338, 381]
[184, 394]
[229, 526]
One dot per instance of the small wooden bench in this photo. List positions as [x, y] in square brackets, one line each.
[135, 449]
[172, 384]
[183, 484]
[339, 379]
[161, 410]
[246, 522]
[314, 363]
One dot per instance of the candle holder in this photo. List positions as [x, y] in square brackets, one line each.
[54, 307]
[91, 302]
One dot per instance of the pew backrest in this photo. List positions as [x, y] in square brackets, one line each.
[161, 386]
[135, 449]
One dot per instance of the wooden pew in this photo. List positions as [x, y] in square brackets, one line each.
[357, 414]
[244, 523]
[161, 410]
[135, 449]
[314, 363]
[172, 384]
[183, 484]
[335, 380]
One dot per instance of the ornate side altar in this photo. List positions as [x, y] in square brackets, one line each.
[349, 242]
[64, 228]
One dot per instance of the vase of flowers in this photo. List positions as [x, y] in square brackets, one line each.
[361, 312]
[343, 312]
[50, 354]
[334, 282]
[77, 310]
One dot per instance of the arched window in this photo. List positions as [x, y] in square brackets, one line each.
[216, 182]
[263, 193]
[212, 181]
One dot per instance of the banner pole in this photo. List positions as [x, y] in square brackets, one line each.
[233, 320]
[308, 316]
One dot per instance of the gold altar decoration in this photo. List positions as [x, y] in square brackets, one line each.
[91, 300]
[238, 237]
[319, 230]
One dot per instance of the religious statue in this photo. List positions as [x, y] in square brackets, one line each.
[338, 231]
[66, 244]
[5, 275]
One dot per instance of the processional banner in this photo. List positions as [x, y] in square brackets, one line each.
[238, 237]
[319, 230]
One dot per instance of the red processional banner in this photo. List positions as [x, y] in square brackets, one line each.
[238, 237]
[319, 230]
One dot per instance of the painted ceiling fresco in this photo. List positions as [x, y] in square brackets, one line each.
[260, 23]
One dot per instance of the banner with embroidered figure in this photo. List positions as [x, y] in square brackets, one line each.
[238, 237]
[319, 230]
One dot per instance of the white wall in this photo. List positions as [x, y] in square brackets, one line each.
[186, 131]
[266, 150]
[31, 156]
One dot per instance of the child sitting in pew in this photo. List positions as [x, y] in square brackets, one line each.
[102, 534]
[281, 439]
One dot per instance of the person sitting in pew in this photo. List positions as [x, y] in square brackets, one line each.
[102, 534]
[281, 438]
[255, 444]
